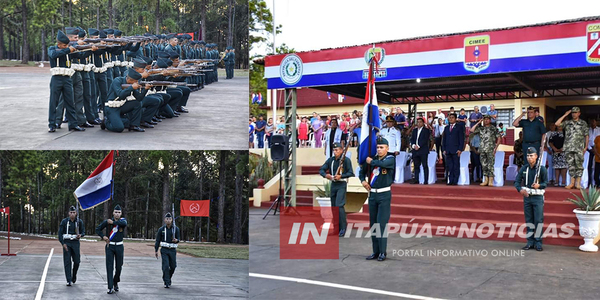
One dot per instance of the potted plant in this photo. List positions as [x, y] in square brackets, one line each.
[324, 200]
[588, 214]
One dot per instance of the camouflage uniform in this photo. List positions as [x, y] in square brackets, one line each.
[575, 136]
[489, 135]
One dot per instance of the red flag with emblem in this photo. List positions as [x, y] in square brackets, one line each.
[5, 210]
[194, 208]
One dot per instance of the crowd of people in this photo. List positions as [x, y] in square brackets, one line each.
[101, 77]
[448, 134]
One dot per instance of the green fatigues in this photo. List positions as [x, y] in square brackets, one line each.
[70, 227]
[489, 136]
[338, 188]
[532, 134]
[133, 108]
[61, 86]
[379, 203]
[533, 206]
[168, 255]
[113, 252]
[576, 134]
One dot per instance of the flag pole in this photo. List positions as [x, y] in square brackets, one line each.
[370, 113]
[112, 181]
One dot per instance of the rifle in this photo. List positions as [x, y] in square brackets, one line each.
[340, 168]
[158, 83]
[536, 179]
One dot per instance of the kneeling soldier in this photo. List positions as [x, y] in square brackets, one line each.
[167, 238]
[69, 232]
[533, 198]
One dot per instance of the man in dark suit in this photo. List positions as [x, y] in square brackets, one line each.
[419, 143]
[453, 143]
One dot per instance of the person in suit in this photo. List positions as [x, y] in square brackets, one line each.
[419, 143]
[453, 143]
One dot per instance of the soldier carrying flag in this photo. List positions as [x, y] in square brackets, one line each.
[114, 247]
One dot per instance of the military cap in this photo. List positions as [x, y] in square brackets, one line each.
[93, 31]
[139, 63]
[61, 37]
[337, 145]
[530, 108]
[575, 109]
[162, 63]
[109, 31]
[169, 62]
[118, 207]
[102, 34]
[173, 55]
[390, 119]
[170, 36]
[531, 150]
[133, 74]
[168, 215]
[81, 32]
[382, 141]
[72, 208]
[163, 54]
[147, 34]
[487, 117]
[148, 60]
[71, 30]
[118, 32]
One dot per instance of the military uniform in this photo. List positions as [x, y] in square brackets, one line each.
[338, 188]
[533, 205]
[489, 136]
[533, 130]
[124, 102]
[67, 235]
[114, 249]
[576, 133]
[168, 250]
[380, 177]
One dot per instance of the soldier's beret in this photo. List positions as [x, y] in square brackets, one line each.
[81, 32]
[61, 37]
[139, 63]
[575, 109]
[93, 31]
[118, 32]
[337, 145]
[72, 208]
[118, 207]
[162, 63]
[531, 150]
[390, 119]
[382, 141]
[133, 74]
[102, 34]
[168, 215]
[71, 30]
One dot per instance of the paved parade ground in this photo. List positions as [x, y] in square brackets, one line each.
[194, 278]
[219, 110]
[558, 272]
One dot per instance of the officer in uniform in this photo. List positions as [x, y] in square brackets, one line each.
[490, 140]
[124, 101]
[114, 247]
[377, 175]
[339, 181]
[167, 238]
[533, 198]
[69, 232]
[61, 83]
[392, 135]
[533, 129]
[576, 143]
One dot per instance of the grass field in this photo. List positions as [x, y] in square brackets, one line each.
[16, 63]
[215, 251]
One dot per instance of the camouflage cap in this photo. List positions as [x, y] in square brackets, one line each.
[575, 109]
[487, 117]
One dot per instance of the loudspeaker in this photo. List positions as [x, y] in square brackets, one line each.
[279, 147]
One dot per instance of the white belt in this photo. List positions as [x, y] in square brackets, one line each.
[77, 67]
[150, 92]
[108, 65]
[88, 67]
[161, 92]
[115, 103]
[168, 245]
[62, 71]
[117, 63]
[99, 70]
[116, 243]
[130, 64]
[172, 86]
[69, 236]
[535, 191]
[130, 98]
[381, 190]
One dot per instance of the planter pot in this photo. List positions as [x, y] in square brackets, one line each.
[588, 228]
[326, 213]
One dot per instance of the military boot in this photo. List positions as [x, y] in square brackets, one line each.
[490, 181]
[571, 184]
[484, 181]
[578, 183]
